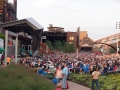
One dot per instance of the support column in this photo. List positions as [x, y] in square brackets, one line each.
[47, 49]
[77, 52]
[117, 43]
[1, 29]
[6, 46]
[16, 49]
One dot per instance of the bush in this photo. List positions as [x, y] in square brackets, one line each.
[2, 36]
[19, 77]
[111, 50]
[109, 82]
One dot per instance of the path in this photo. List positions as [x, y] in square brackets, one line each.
[74, 86]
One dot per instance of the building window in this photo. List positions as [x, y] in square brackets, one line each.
[71, 42]
[71, 38]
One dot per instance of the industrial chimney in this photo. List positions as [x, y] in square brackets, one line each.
[15, 6]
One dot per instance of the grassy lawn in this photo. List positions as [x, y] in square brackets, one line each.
[109, 82]
[19, 77]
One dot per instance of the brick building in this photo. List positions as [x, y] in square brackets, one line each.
[78, 38]
[83, 34]
[58, 33]
[72, 38]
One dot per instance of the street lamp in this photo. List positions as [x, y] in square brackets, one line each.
[117, 27]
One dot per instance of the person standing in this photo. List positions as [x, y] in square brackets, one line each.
[64, 74]
[62, 66]
[95, 77]
[30, 53]
[8, 60]
[58, 74]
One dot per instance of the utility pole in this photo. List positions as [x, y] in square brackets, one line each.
[117, 27]
[78, 40]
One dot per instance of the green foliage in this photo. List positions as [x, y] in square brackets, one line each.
[2, 36]
[19, 77]
[111, 50]
[61, 46]
[47, 42]
[4, 74]
[58, 45]
[109, 82]
[65, 47]
[71, 48]
[68, 48]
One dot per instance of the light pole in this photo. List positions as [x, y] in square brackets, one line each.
[117, 27]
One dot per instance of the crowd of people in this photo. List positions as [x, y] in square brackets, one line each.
[63, 64]
[43, 67]
[85, 62]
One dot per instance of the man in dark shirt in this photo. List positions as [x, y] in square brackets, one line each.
[62, 65]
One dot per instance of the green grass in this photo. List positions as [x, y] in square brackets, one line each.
[109, 82]
[19, 77]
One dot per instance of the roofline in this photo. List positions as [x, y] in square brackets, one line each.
[107, 37]
[55, 31]
[11, 23]
[55, 27]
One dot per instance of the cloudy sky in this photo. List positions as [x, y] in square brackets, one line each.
[98, 17]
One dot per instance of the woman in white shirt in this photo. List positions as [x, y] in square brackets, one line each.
[58, 74]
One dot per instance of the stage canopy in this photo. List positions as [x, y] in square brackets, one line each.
[29, 26]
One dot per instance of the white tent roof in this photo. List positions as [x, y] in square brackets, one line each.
[85, 45]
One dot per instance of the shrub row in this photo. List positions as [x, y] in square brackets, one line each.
[19, 77]
[109, 82]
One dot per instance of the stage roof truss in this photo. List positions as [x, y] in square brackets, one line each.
[29, 21]
[29, 26]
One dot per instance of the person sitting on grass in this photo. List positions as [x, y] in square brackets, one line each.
[74, 68]
[105, 70]
[43, 71]
[70, 67]
[38, 66]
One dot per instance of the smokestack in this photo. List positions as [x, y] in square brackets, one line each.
[5, 11]
[15, 6]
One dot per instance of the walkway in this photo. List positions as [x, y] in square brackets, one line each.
[74, 86]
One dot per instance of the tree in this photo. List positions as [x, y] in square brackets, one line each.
[47, 42]
[111, 50]
[58, 45]
[65, 47]
[68, 48]
[61, 46]
[71, 48]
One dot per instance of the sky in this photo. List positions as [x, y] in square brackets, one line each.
[97, 17]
